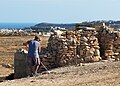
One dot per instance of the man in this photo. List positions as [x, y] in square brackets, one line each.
[33, 55]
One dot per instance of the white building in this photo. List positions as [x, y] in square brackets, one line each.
[6, 30]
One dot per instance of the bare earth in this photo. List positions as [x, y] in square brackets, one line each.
[91, 74]
[9, 44]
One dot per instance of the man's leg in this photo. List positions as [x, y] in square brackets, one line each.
[37, 63]
[36, 69]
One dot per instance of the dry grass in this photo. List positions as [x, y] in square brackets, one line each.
[8, 46]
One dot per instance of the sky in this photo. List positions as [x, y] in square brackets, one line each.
[58, 11]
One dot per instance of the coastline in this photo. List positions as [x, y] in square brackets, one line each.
[15, 25]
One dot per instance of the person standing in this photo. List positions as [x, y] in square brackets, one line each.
[33, 55]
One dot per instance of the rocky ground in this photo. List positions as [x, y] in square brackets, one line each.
[104, 73]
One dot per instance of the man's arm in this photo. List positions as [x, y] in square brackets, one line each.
[26, 43]
[39, 49]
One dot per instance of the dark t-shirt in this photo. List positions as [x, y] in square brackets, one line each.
[33, 48]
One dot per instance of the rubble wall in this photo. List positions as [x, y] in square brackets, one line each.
[89, 46]
[72, 47]
[116, 44]
[109, 41]
[62, 48]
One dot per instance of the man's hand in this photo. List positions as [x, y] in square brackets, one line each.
[25, 44]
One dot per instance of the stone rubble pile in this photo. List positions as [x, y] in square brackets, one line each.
[62, 48]
[89, 46]
[8, 65]
[109, 41]
[72, 47]
[116, 44]
[106, 42]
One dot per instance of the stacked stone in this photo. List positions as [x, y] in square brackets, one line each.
[89, 46]
[50, 56]
[68, 54]
[106, 39]
[62, 49]
[71, 47]
[116, 44]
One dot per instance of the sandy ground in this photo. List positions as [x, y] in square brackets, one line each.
[5, 71]
[104, 73]
[9, 44]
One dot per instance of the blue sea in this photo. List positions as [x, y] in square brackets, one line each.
[16, 25]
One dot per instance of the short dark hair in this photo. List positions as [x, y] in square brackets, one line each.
[37, 38]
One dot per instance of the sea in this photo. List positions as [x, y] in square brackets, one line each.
[16, 25]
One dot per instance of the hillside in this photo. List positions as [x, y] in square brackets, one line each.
[46, 26]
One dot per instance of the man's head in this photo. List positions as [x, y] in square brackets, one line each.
[37, 38]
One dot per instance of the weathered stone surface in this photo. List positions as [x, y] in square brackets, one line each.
[20, 64]
[89, 46]
[109, 41]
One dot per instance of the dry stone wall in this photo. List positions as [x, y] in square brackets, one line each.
[72, 47]
[89, 46]
[116, 44]
[109, 41]
[62, 48]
